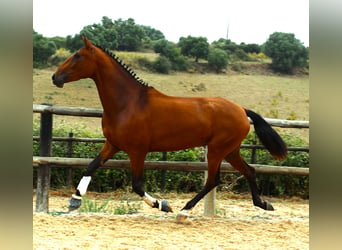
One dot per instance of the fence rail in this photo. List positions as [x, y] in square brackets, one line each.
[102, 140]
[90, 112]
[44, 162]
[165, 165]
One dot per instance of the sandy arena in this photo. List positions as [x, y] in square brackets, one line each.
[237, 225]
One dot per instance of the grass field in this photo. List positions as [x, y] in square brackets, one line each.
[283, 97]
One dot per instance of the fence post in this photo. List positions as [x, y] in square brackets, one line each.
[43, 171]
[163, 173]
[253, 156]
[210, 198]
[70, 153]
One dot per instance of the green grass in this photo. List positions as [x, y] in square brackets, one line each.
[94, 206]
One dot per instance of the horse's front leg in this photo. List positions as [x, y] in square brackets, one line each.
[107, 152]
[137, 168]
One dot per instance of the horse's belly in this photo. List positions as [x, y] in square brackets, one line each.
[172, 138]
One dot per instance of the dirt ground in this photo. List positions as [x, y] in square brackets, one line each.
[237, 225]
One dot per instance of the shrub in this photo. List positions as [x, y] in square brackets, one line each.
[197, 47]
[169, 50]
[286, 51]
[43, 48]
[218, 59]
[279, 185]
[180, 63]
[60, 56]
[162, 65]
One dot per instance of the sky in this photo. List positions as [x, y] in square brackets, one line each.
[248, 21]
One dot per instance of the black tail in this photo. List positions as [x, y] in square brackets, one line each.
[268, 136]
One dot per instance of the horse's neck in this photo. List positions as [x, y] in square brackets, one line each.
[117, 89]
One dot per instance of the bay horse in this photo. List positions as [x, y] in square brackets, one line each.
[138, 119]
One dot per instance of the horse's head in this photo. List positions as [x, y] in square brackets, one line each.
[78, 66]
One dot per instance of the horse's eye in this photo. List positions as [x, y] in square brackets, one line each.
[76, 56]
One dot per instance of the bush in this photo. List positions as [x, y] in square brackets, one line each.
[286, 51]
[162, 65]
[197, 47]
[43, 48]
[169, 50]
[60, 56]
[279, 185]
[179, 63]
[218, 59]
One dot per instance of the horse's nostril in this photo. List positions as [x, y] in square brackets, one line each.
[53, 77]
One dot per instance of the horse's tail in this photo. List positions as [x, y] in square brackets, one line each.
[268, 136]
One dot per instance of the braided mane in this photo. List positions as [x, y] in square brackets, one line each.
[123, 65]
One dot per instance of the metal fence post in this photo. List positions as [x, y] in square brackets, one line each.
[43, 171]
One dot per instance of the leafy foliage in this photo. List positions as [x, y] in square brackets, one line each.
[162, 65]
[250, 48]
[286, 51]
[43, 48]
[170, 51]
[197, 47]
[218, 59]
[116, 35]
[279, 185]
[130, 35]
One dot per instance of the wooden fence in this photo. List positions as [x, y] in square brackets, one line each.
[44, 161]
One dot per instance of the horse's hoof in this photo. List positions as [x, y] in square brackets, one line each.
[268, 206]
[165, 207]
[74, 203]
[181, 216]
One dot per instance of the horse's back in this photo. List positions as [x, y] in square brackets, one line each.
[184, 122]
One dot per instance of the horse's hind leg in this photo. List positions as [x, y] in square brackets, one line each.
[239, 164]
[214, 163]
[107, 152]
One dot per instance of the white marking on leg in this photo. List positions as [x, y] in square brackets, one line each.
[83, 185]
[149, 199]
[76, 197]
[184, 213]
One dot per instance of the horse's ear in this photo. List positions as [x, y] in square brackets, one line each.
[87, 43]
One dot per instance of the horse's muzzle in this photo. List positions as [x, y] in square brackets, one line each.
[58, 81]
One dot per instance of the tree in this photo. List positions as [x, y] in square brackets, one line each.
[74, 43]
[103, 34]
[286, 51]
[226, 45]
[130, 35]
[250, 48]
[165, 48]
[152, 33]
[197, 47]
[162, 64]
[60, 42]
[218, 59]
[116, 35]
[172, 53]
[43, 48]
